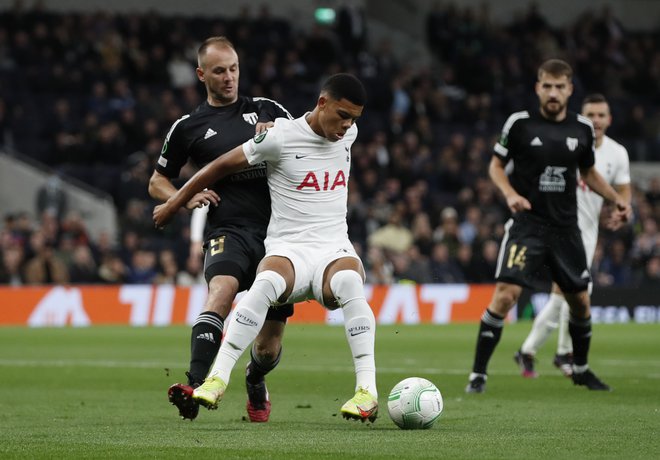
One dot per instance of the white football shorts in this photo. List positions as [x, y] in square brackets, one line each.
[309, 263]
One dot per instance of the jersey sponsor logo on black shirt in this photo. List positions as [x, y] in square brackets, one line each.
[252, 172]
[552, 179]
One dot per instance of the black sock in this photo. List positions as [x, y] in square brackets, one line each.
[490, 331]
[204, 345]
[257, 368]
[580, 331]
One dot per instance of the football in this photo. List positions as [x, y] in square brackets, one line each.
[414, 403]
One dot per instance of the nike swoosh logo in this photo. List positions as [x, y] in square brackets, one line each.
[357, 333]
[298, 157]
[246, 323]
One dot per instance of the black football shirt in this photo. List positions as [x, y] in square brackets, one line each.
[546, 156]
[204, 135]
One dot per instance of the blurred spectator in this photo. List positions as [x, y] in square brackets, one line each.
[83, 269]
[73, 227]
[137, 219]
[653, 191]
[52, 197]
[422, 233]
[467, 264]
[143, 267]
[192, 274]
[11, 269]
[651, 274]
[402, 272]
[447, 231]
[181, 72]
[134, 181]
[167, 268]
[600, 277]
[44, 267]
[467, 230]
[419, 268]
[444, 268]
[394, 236]
[647, 243]
[616, 265]
[112, 269]
[378, 267]
[486, 262]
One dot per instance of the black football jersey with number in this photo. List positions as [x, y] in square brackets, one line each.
[546, 156]
[209, 132]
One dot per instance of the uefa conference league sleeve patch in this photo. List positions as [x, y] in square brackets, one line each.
[259, 137]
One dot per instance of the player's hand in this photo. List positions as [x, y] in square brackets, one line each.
[621, 215]
[203, 198]
[517, 203]
[163, 214]
[624, 209]
[263, 126]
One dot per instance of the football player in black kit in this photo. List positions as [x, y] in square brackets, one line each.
[547, 147]
[237, 220]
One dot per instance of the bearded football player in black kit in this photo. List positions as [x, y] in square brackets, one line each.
[547, 147]
[237, 220]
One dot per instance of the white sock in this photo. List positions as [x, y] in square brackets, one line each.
[580, 369]
[248, 319]
[360, 326]
[546, 322]
[564, 341]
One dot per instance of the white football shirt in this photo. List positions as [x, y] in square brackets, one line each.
[308, 180]
[613, 164]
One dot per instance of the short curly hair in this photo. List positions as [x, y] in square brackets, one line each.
[345, 86]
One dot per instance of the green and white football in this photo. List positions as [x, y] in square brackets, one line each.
[414, 403]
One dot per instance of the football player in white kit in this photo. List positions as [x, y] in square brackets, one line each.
[308, 253]
[613, 164]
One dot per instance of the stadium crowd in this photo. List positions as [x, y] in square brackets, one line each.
[92, 96]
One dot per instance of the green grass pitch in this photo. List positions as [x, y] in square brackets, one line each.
[100, 392]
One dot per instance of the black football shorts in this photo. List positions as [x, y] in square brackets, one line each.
[528, 249]
[237, 252]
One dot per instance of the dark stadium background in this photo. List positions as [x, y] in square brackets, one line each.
[87, 96]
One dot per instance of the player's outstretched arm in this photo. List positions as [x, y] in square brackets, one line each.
[160, 187]
[225, 164]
